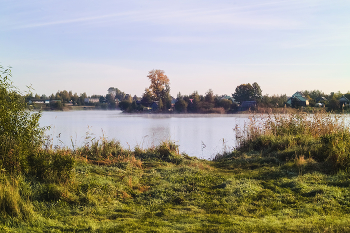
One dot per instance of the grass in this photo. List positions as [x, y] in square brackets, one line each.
[288, 174]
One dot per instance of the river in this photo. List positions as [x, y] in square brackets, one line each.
[198, 135]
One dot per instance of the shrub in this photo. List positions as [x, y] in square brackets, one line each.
[51, 166]
[165, 152]
[20, 133]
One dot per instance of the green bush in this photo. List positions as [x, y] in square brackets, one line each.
[51, 166]
[165, 152]
[20, 133]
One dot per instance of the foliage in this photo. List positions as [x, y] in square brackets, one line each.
[247, 92]
[273, 101]
[20, 133]
[147, 97]
[181, 105]
[257, 91]
[125, 105]
[51, 166]
[159, 84]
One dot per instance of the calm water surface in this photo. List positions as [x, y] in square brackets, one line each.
[202, 136]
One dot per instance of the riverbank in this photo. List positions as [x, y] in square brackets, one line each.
[115, 190]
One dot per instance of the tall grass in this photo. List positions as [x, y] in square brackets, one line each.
[14, 200]
[320, 136]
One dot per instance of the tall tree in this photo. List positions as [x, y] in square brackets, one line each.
[159, 84]
[257, 91]
[244, 92]
[247, 92]
[209, 96]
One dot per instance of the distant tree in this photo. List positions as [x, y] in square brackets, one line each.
[81, 99]
[247, 92]
[110, 99]
[333, 104]
[194, 102]
[257, 91]
[147, 98]
[181, 105]
[209, 96]
[159, 84]
[64, 96]
[58, 96]
[118, 94]
[166, 98]
[102, 99]
[75, 98]
[125, 105]
[244, 92]
[226, 104]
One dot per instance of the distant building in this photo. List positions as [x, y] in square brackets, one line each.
[246, 105]
[297, 100]
[37, 101]
[91, 100]
[344, 101]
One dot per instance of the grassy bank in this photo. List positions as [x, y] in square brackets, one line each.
[114, 190]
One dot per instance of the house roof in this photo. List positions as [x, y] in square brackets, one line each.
[297, 96]
[344, 99]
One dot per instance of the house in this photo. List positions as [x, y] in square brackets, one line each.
[344, 101]
[246, 105]
[297, 100]
[92, 100]
[36, 101]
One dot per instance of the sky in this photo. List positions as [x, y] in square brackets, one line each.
[89, 45]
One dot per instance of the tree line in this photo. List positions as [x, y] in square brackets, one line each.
[157, 98]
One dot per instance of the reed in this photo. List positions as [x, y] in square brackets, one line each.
[321, 136]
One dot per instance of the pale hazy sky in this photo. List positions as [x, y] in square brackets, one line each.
[89, 46]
